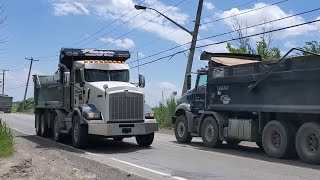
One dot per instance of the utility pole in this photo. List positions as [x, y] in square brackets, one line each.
[25, 92]
[3, 74]
[193, 45]
[138, 63]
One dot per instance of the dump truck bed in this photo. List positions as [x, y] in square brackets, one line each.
[48, 91]
[5, 103]
[292, 86]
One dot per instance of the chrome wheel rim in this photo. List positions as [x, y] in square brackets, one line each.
[209, 132]
[181, 129]
[75, 131]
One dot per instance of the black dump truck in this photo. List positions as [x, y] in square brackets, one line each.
[275, 104]
[5, 103]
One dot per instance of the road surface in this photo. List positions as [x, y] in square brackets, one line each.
[167, 159]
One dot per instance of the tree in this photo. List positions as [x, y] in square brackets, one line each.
[262, 47]
[311, 46]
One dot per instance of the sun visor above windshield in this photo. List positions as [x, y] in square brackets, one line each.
[230, 59]
[68, 55]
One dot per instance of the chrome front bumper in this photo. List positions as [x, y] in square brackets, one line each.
[123, 129]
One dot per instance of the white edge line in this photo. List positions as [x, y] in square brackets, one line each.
[21, 131]
[150, 170]
[128, 163]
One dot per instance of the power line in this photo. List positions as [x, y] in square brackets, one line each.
[141, 25]
[117, 26]
[260, 24]
[93, 34]
[103, 28]
[229, 32]
[246, 12]
[187, 24]
[234, 39]
[241, 5]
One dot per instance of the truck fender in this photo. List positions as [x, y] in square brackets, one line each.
[77, 111]
[181, 109]
[220, 118]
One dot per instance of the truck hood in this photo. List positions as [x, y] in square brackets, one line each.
[114, 85]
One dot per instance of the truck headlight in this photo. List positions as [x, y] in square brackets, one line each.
[90, 112]
[93, 116]
[149, 115]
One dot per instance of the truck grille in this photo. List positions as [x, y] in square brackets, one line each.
[126, 106]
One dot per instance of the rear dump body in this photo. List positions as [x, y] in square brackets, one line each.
[275, 104]
[5, 103]
[291, 87]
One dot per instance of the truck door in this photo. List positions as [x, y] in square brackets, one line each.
[78, 90]
[200, 92]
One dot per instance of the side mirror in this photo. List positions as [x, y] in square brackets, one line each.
[142, 81]
[66, 79]
[82, 77]
[189, 81]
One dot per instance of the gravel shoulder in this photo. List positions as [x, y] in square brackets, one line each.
[36, 158]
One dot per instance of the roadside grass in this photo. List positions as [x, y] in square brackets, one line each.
[6, 140]
[164, 111]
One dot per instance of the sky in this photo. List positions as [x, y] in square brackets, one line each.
[40, 28]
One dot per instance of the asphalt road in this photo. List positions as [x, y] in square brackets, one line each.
[167, 159]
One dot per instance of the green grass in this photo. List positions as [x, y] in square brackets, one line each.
[164, 111]
[6, 140]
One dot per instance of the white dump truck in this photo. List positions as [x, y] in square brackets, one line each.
[91, 94]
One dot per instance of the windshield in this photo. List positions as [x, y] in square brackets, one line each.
[94, 75]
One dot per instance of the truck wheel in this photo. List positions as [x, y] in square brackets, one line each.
[56, 128]
[210, 132]
[278, 139]
[44, 125]
[145, 140]
[308, 143]
[181, 130]
[38, 123]
[79, 134]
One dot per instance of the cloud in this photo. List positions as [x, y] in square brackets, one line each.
[208, 5]
[155, 90]
[167, 86]
[290, 44]
[144, 20]
[267, 14]
[75, 8]
[123, 43]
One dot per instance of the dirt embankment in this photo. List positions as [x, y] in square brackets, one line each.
[33, 160]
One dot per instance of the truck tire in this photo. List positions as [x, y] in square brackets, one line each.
[210, 132]
[38, 123]
[145, 140]
[181, 130]
[278, 139]
[56, 127]
[308, 143]
[44, 125]
[79, 133]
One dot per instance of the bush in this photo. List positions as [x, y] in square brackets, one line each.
[18, 106]
[6, 140]
[164, 111]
